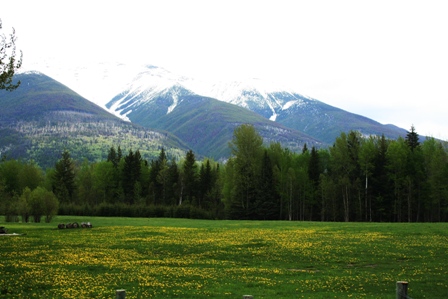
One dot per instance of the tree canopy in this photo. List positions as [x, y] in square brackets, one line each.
[9, 63]
[357, 179]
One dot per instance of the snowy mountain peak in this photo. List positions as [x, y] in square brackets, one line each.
[266, 98]
[149, 84]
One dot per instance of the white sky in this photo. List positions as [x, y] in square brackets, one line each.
[387, 60]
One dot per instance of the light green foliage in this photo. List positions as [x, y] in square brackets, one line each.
[43, 203]
[246, 147]
[24, 205]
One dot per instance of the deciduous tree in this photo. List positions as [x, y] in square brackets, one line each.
[9, 62]
[246, 147]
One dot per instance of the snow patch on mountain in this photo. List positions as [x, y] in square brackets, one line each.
[288, 105]
[117, 112]
[175, 102]
[174, 93]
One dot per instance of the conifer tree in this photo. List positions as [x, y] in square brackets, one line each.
[131, 175]
[155, 187]
[173, 191]
[64, 178]
[412, 139]
[190, 179]
[314, 167]
[267, 203]
[381, 187]
[112, 156]
[205, 184]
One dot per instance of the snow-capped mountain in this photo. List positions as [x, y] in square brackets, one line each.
[155, 92]
[150, 84]
[265, 98]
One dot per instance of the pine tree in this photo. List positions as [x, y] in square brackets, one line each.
[412, 139]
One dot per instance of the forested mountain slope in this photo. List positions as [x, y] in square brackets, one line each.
[204, 123]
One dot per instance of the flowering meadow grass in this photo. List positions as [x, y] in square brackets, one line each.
[178, 258]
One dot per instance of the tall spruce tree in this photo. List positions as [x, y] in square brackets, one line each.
[415, 176]
[64, 178]
[205, 184]
[173, 191]
[412, 139]
[190, 179]
[267, 203]
[131, 175]
[314, 167]
[381, 190]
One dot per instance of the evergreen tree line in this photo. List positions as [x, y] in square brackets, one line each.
[357, 179]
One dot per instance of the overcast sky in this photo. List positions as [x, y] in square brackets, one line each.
[387, 60]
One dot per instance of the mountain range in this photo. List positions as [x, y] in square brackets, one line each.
[285, 107]
[157, 108]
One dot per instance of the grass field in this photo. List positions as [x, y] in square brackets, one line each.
[174, 258]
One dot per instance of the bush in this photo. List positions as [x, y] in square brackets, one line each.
[182, 211]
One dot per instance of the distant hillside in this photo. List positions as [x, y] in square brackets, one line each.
[205, 124]
[43, 117]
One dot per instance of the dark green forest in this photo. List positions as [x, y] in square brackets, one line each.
[356, 179]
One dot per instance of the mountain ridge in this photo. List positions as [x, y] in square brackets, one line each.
[206, 124]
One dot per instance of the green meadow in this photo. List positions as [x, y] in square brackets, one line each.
[179, 258]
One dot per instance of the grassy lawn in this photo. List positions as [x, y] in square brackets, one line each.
[178, 258]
